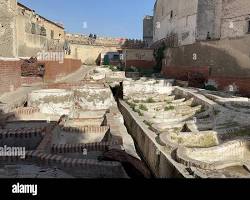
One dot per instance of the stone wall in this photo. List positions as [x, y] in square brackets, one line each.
[176, 17]
[235, 18]
[35, 33]
[148, 30]
[209, 19]
[89, 54]
[53, 101]
[8, 28]
[159, 162]
[99, 41]
[199, 20]
[139, 58]
[150, 86]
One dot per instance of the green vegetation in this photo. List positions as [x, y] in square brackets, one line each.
[167, 108]
[113, 68]
[149, 124]
[150, 100]
[203, 109]
[168, 102]
[159, 56]
[132, 69]
[143, 107]
[133, 106]
[136, 101]
[210, 87]
[157, 109]
[139, 112]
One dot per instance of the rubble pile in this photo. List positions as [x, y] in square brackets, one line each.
[32, 68]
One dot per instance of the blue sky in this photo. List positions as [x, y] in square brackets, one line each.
[115, 18]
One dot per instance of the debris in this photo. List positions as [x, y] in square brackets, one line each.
[32, 68]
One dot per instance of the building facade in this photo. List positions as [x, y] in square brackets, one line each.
[199, 20]
[210, 37]
[8, 28]
[148, 30]
[24, 33]
[36, 33]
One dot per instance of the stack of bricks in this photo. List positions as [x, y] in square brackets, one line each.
[10, 73]
[30, 70]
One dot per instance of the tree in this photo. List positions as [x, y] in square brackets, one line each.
[159, 55]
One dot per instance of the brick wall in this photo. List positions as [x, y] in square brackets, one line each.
[142, 64]
[55, 70]
[183, 73]
[10, 75]
[31, 80]
[243, 84]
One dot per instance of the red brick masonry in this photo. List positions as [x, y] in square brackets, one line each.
[55, 70]
[243, 84]
[144, 64]
[183, 73]
[31, 80]
[10, 75]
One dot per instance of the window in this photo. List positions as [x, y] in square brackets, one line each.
[52, 34]
[116, 57]
[33, 28]
[171, 14]
[248, 29]
[43, 31]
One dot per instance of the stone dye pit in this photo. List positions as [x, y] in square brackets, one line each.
[68, 127]
[187, 132]
[77, 130]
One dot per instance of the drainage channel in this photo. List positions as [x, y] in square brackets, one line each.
[118, 94]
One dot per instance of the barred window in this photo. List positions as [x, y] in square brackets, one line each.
[33, 28]
[52, 34]
[43, 31]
